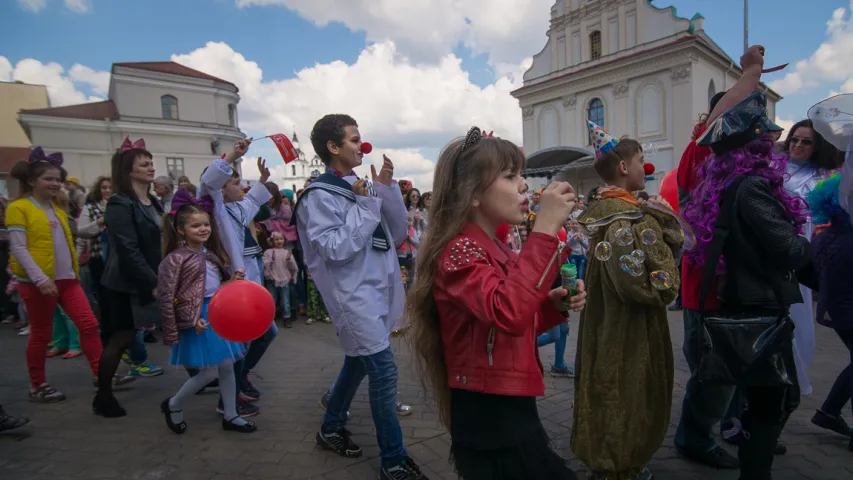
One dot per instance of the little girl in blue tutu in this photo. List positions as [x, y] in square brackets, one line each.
[194, 267]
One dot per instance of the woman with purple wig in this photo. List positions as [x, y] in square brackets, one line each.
[763, 250]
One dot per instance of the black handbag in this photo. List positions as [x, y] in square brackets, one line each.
[743, 348]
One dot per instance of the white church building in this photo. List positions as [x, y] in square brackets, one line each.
[629, 66]
[187, 118]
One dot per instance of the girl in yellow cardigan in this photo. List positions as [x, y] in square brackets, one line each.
[43, 260]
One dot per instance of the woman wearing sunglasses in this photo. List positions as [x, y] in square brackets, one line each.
[810, 159]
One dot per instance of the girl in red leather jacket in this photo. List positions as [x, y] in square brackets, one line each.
[476, 309]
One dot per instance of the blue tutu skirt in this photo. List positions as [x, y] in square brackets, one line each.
[205, 349]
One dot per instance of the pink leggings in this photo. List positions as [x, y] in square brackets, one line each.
[40, 310]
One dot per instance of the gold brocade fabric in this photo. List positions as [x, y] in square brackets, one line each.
[624, 365]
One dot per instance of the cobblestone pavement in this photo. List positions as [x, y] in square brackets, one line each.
[66, 440]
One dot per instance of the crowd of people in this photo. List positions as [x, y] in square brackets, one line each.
[470, 273]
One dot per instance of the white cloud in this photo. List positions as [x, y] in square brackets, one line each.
[77, 6]
[786, 124]
[401, 107]
[506, 30]
[829, 63]
[61, 88]
[100, 81]
[32, 5]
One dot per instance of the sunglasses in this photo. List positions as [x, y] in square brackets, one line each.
[802, 141]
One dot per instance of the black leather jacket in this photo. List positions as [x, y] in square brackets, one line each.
[762, 242]
[134, 248]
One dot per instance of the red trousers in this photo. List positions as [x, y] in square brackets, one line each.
[40, 310]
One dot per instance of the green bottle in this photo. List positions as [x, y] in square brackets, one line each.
[569, 275]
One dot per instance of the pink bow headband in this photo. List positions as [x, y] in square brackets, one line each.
[128, 145]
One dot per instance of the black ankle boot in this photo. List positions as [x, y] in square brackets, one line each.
[107, 406]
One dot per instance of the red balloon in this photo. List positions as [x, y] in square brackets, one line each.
[366, 148]
[562, 235]
[669, 188]
[241, 311]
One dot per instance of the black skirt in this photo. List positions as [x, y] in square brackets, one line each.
[497, 437]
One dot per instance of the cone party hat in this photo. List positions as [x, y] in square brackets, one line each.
[602, 141]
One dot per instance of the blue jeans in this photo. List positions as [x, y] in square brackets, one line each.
[557, 336]
[381, 372]
[580, 262]
[705, 403]
[281, 297]
[137, 351]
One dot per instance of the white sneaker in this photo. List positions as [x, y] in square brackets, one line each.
[24, 331]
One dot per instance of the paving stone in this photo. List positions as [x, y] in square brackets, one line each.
[65, 441]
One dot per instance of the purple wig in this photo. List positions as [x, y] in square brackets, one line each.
[755, 158]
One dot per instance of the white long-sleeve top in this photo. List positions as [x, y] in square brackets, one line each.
[361, 286]
[234, 217]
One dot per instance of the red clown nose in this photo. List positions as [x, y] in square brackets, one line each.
[648, 168]
[366, 148]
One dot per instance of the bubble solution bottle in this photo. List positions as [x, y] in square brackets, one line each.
[569, 276]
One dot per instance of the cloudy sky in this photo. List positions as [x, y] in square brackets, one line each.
[414, 73]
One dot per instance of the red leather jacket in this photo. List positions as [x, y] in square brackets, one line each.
[492, 305]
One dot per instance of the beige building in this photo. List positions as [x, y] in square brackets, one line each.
[629, 66]
[14, 144]
[186, 117]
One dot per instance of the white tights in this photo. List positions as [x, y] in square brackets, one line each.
[227, 388]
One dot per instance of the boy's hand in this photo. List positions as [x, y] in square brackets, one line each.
[386, 175]
[265, 172]
[240, 149]
[238, 275]
[359, 187]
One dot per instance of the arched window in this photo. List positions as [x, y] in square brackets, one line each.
[711, 92]
[232, 115]
[595, 45]
[595, 112]
[169, 105]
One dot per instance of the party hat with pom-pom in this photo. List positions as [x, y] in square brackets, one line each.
[602, 141]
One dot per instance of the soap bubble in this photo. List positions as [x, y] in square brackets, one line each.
[629, 265]
[624, 237]
[637, 270]
[649, 236]
[650, 149]
[626, 263]
[660, 280]
[639, 256]
[603, 251]
[591, 229]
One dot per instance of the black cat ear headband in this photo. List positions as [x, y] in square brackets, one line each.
[474, 135]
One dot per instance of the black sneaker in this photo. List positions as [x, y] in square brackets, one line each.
[738, 439]
[830, 422]
[340, 443]
[243, 409]
[716, 457]
[250, 391]
[407, 470]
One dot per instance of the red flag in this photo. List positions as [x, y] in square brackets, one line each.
[285, 148]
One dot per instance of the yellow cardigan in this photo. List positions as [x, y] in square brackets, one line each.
[24, 215]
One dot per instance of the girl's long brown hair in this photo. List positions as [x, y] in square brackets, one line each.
[459, 178]
[172, 239]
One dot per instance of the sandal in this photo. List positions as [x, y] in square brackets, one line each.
[72, 354]
[178, 428]
[55, 352]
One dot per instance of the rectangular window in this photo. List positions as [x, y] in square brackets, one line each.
[175, 167]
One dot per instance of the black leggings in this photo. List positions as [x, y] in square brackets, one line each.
[842, 389]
